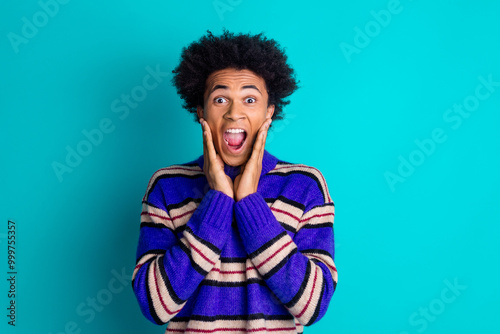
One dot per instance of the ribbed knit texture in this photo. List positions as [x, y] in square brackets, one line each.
[208, 264]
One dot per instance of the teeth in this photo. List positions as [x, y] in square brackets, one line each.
[235, 130]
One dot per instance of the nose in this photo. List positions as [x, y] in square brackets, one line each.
[235, 111]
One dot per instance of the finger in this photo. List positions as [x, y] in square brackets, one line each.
[219, 160]
[263, 141]
[214, 157]
[212, 154]
[205, 148]
[207, 139]
[264, 137]
[258, 148]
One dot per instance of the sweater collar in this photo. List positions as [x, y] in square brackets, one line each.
[269, 161]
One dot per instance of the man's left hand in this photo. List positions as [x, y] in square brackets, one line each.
[247, 181]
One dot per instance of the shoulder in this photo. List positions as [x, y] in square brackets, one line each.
[309, 179]
[173, 174]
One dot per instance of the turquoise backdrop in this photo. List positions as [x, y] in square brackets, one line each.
[399, 108]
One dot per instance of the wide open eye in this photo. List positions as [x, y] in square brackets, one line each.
[250, 100]
[219, 100]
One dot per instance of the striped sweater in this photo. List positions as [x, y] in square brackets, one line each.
[208, 264]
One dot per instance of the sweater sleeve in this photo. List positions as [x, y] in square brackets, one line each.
[169, 268]
[299, 271]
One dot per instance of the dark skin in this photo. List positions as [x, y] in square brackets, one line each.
[240, 103]
[247, 181]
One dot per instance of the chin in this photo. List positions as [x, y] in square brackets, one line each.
[233, 161]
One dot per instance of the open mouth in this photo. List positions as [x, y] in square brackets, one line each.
[235, 139]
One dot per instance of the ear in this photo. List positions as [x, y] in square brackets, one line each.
[199, 112]
[270, 111]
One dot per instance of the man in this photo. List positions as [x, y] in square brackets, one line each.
[236, 240]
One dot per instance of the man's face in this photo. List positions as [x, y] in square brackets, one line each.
[235, 99]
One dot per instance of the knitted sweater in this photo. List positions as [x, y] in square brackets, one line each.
[208, 264]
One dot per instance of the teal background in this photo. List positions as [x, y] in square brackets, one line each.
[398, 247]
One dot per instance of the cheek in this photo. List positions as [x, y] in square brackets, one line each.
[216, 136]
[217, 140]
[252, 137]
[257, 123]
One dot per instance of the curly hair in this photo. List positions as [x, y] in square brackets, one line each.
[256, 53]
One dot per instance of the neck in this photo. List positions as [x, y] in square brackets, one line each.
[231, 171]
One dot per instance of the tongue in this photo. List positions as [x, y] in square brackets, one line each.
[234, 139]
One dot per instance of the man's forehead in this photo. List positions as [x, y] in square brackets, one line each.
[228, 78]
[224, 87]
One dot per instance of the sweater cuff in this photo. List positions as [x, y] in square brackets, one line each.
[256, 222]
[213, 216]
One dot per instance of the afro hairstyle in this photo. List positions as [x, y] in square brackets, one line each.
[256, 53]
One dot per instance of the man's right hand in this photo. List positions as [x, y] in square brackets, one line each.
[213, 166]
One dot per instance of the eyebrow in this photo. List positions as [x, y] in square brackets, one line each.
[226, 87]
